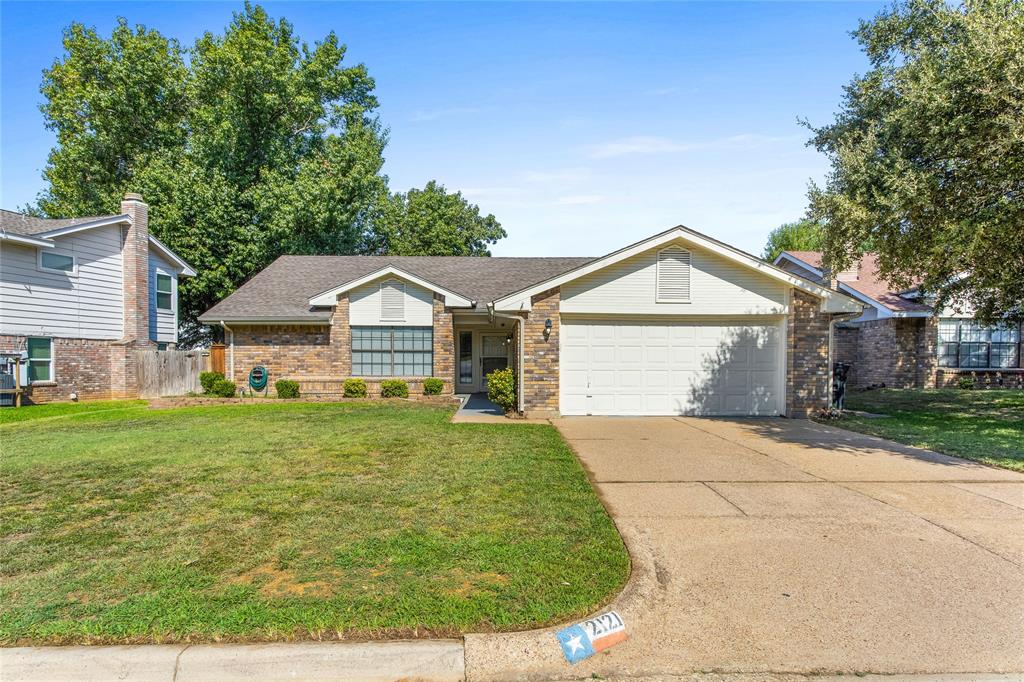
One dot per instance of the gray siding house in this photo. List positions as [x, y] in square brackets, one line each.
[77, 294]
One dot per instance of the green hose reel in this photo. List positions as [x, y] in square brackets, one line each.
[259, 379]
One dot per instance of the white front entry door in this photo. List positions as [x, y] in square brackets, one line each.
[658, 367]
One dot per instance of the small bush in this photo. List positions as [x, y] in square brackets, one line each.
[223, 388]
[286, 388]
[965, 383]
[433, 386]
[501, 388]
[355, 388]
[394, 388]
[208, 379]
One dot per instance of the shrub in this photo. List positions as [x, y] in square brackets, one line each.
[286, 388]
[966, 383]
[394, 388]
[433, 386]
[223, 388]
[501, 388]
[208, 379]
[355, 388]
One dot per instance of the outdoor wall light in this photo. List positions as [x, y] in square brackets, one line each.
[547, 328]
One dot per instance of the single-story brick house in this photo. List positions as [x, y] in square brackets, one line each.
[900, 341]
[678, 323]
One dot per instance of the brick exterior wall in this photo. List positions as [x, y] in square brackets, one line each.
[90, 368]
[444, 345]
[540, 356]
[808, 375]
[135, 259]
[845, 341]
[319, 357]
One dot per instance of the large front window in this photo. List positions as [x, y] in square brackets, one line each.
[967, 344]
[392, 351]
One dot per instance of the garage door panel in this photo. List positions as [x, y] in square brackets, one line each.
[681, 366]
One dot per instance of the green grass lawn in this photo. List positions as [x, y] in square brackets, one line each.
[986, 426]
[297, 520]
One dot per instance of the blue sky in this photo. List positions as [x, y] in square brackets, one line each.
[582, 126]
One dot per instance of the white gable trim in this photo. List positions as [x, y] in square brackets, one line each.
[881, 309]
[102, 222]
[165, 251]
[831, 301]
[330, 297]
[29, 241]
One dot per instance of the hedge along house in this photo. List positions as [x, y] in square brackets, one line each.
[79, 295]
[678, 323]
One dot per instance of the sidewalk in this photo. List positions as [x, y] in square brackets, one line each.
[433, 661]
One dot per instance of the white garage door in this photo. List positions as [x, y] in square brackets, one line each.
[678, 367]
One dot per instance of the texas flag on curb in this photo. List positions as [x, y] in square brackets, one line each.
[585, 639]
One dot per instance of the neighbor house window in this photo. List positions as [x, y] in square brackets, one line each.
[56, 262]
[392, 351]
[969, 345]
[163, 292]
[40, 359]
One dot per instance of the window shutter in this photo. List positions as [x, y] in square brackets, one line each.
[673, 275]
[392, 300]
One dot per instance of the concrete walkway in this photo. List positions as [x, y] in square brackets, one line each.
[434, 661]
[780, 547]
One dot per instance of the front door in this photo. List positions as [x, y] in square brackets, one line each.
[493, 355]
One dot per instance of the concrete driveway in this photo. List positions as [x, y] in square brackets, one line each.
[785, 546]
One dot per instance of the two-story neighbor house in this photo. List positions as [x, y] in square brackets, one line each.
[678, 323]
[901, 341]
[80, 295]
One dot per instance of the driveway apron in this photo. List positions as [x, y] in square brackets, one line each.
[772, 545]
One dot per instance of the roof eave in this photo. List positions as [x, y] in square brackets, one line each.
[26, 240]
[92, 224]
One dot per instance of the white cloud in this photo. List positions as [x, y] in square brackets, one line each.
[435, 114]
[580, 199]
[643, 144]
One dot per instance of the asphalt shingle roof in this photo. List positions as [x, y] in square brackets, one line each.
[284, 288]
[868, 282]
[19, 223]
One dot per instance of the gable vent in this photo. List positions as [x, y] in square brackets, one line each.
[392, 300]
[673, 275]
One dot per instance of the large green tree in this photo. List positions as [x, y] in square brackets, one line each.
[247, 145]
[927, 154]
[802, 235]
[432, 222]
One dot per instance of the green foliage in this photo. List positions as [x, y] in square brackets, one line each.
[803, 235]
[965, 383]
[432, 222]
[224, 388]
[927, 154]
[501, 388]
[394, 388]
[208, 379]
[286, 388]
[433, 386]
[354, 388]
[228, 140]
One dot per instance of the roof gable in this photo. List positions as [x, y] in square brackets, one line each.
[832, 301]
[330, 297]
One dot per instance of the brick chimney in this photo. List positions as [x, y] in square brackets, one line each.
[135, 256]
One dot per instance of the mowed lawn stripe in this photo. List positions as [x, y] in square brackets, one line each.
[281, 521]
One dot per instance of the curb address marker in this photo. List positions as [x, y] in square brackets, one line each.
[585, 639]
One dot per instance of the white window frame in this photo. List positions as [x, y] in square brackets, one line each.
[689, 275]
[157, 292]
[50, 362]
[68, 273]
[959, 342]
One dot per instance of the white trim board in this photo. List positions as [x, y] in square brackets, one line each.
[330, 297]
[831, 301]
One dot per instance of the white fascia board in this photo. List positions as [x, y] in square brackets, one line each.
[330, 297]
[27, 241]
[796, 261]
[314, 321]
[831, 301]
[186, 269]
[883, 310]
[102, 222]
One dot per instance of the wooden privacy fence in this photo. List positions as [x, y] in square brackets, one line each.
[169, 372]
